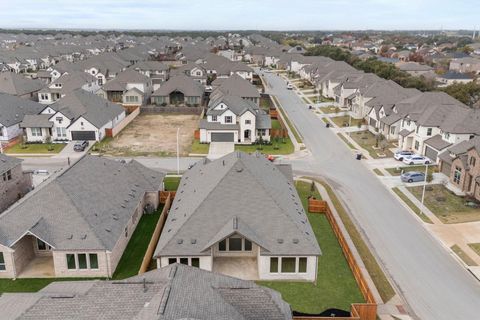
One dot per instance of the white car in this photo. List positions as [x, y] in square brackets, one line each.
[416, 159]
[399, 155]
[289, 86]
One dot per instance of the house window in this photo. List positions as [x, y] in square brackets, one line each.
[132, 98]
[82, 261]
[273, 265]
[457, 175]
[7, 175]
[172, 260]
[36, 132]
[248, 121]
[222, 245]
[196, 262]
[228, 119]
[2, 262]
[429, 131]
[43, 96]
[392, 130]
[261, 132]
[93, 258]
[302, 265]
[126, 232]
[248, 245]
[235, 244]
[214, 118]
[42, 246]
[61, 132]
[288, 265]
[446, 136]
[1, 131]
[184, 261]
[59, 119]
[71, 264]
[417, 145]
[473, 160]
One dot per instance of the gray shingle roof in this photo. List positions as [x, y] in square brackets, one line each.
[236, 86]
[95, 109]
[17, 84]
[86, 207]
[36, 121]
[437, 142]
[171, 293]
[242, 186]
[187, 85]
[13, 109]
[7, 163]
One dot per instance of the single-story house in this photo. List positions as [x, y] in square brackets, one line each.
[130, 88]
[80, 115]
[78, 224]
[240, 210]
[179, 90]
[171, 293]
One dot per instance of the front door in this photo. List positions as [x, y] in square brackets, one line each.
[247, 134]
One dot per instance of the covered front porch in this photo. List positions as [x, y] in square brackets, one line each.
[33, 258]
[39, 267]
[245, 268]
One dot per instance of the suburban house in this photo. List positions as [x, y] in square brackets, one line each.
[79, 115]
[130, 88]
[67, 83]
[233, 119]
[20, 86]
[14, 182]
[104, 66]
[171, 293]
[193, 70]
[157, 71]
[465, 65]
[452, 77]
[79, 223]
[241, 216]
[416, 69]
[461, 164]
[235, 86]
[12, 111]
[179, 90]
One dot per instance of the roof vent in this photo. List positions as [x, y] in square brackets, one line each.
[179, 241]
[108, 230]
[193, 241]
[122, 205]
[295, 240]
[70, 237]
[83, 237]
[235, 223]
[280, 240]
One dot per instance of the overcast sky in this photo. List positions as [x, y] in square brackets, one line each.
[241, 14]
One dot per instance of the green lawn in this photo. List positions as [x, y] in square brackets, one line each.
[398, 171]
[446, 205]
[278, 146]
[132, 257]
[266, 102]
[367, 141]
[378, 172]
[171, 183]
[36, 148]
[376, 273]
[289, 123]
[462, 255]
[330, 109]
[276, 124]
[344, 121]
[32, 284]
[199, 148]
[336, 287]
[412, 206]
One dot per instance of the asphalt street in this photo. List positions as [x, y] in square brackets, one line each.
[434, 284]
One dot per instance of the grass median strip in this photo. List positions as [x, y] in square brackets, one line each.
[382, 284]
[412, 205]
[462, 255]
[348, 143]
[378, 172]
[289, 123]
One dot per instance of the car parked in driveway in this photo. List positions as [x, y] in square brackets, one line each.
[80, 146]
[412, 176]
[399, 155]
[416, 159]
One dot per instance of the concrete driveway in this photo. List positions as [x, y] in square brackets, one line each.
[220, 149]
[434, 284]
[68, 151]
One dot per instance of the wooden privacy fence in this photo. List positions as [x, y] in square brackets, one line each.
[358, 311]
[165, 194]
[156, 234]
[122, 124]
[278, 133]
[152, 109]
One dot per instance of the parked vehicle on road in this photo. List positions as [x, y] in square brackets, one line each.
[412, 176]
[289, 86]
[399, 155]
[80, 145]
[416, 159]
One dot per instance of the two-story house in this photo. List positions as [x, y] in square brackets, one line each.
[14, 182]
[233, 119]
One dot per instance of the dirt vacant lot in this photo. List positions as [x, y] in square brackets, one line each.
[154, 134]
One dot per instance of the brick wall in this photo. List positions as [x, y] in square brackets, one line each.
[14, 189]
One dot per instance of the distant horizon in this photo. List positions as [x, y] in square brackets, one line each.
[238, 15]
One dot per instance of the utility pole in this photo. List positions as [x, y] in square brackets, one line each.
[178, 157]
